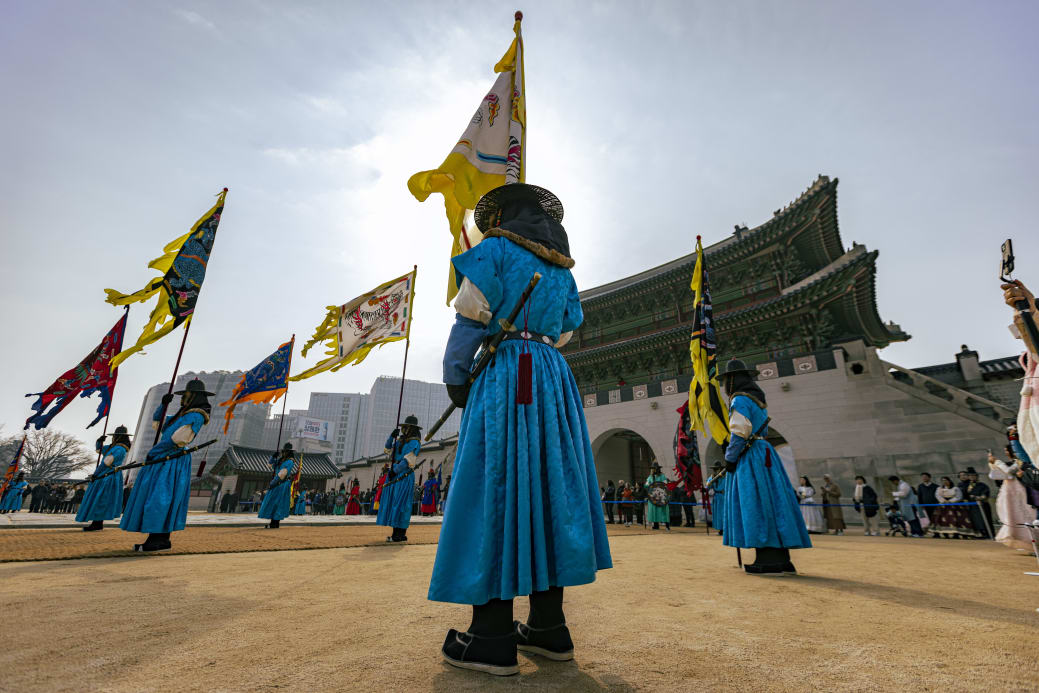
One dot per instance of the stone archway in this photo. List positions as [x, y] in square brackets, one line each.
[621, 453]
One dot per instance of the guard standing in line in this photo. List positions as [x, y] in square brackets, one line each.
[104, 497]
[397, 493]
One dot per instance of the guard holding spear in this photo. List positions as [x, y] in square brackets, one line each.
[103, 500]
[403, 446]
[158, 502]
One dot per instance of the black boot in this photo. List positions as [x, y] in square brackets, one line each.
[157, 541]
[545, 632]
[94, 526]
[656, 525]
[489, 645]
[273, 524]
[769, 560]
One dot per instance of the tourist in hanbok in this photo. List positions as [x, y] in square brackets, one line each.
[949, 520]
[830, 497]
[525, 515]
[867, 505]
[340, 507]
[1012, 504]
[103, 499]
[397, 494]
[810, 511]
[12, 500]
[761, 508]
[276, 502]
[657, 513]
[158, 502]
[354, 506]
[979, 494]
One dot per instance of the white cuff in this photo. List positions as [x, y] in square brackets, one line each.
[183, 435]
[109, 460]
[563, 339]
[471, 303]
[740, 425]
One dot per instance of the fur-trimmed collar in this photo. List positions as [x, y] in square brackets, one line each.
[203, 412]
[749, 396]
[548, 255]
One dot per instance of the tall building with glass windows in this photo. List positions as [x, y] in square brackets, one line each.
[427, 401]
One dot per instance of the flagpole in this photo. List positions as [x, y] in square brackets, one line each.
[173, 380]
[281, 424]
[407, 346]
[111, 395]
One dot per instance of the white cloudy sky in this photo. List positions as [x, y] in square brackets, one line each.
[653, 121]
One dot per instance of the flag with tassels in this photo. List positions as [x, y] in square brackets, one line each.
[94, 374]
[12, 468]
[488, 154]
[183, 264]
[707, 409]
[352, 330]
[265, 382]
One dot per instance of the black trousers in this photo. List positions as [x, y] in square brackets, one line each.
[690, 514]
[609, 511]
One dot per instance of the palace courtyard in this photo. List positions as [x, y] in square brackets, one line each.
[241, 608]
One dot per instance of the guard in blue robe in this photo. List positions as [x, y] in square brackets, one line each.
[103, 499]
[277, 501]
[525, 516]
[158, 501]
[718, 501]
[301, 503]
[403, 447]
[761, 507]
[12, 500]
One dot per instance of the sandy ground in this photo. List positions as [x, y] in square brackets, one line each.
[674, 614]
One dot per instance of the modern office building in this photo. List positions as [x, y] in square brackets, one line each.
[427, 401]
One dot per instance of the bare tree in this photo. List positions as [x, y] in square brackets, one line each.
[52, 454]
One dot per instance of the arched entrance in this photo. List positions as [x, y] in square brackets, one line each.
[621, 453]
[783, 449]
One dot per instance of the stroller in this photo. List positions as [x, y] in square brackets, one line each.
[896, 520]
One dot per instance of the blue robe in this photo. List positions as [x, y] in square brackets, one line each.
[13, 496]
[103, 499]
[525, 512]
[158, 501]
[397, 499]
[718, 508]
[301, 505]
[761, 507]
[276, 502]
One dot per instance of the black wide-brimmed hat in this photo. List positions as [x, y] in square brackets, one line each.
[655, 465]
[121, 431]
[737, 366]
[486, 212]
[286, 447]
[411, 420]
[195, 386]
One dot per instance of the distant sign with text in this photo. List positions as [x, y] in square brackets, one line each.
[315, 429]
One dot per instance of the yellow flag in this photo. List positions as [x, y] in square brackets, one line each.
[707, 409]
[489, 153]
[352, 330]
[183, 264]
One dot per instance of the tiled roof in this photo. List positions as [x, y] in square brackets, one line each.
[992, 367]
[243, 459]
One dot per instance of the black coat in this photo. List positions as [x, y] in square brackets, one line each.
[925, 493]
[869, 500]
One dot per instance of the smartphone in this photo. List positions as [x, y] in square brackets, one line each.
[1006, 267]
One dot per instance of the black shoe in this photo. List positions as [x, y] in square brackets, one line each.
[789, 569]
[767, 569]
[495, 656]
[94, 526]
[152, 546]
[554, 642]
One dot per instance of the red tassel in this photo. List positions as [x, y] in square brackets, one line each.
[525, 379]
[768, 458]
